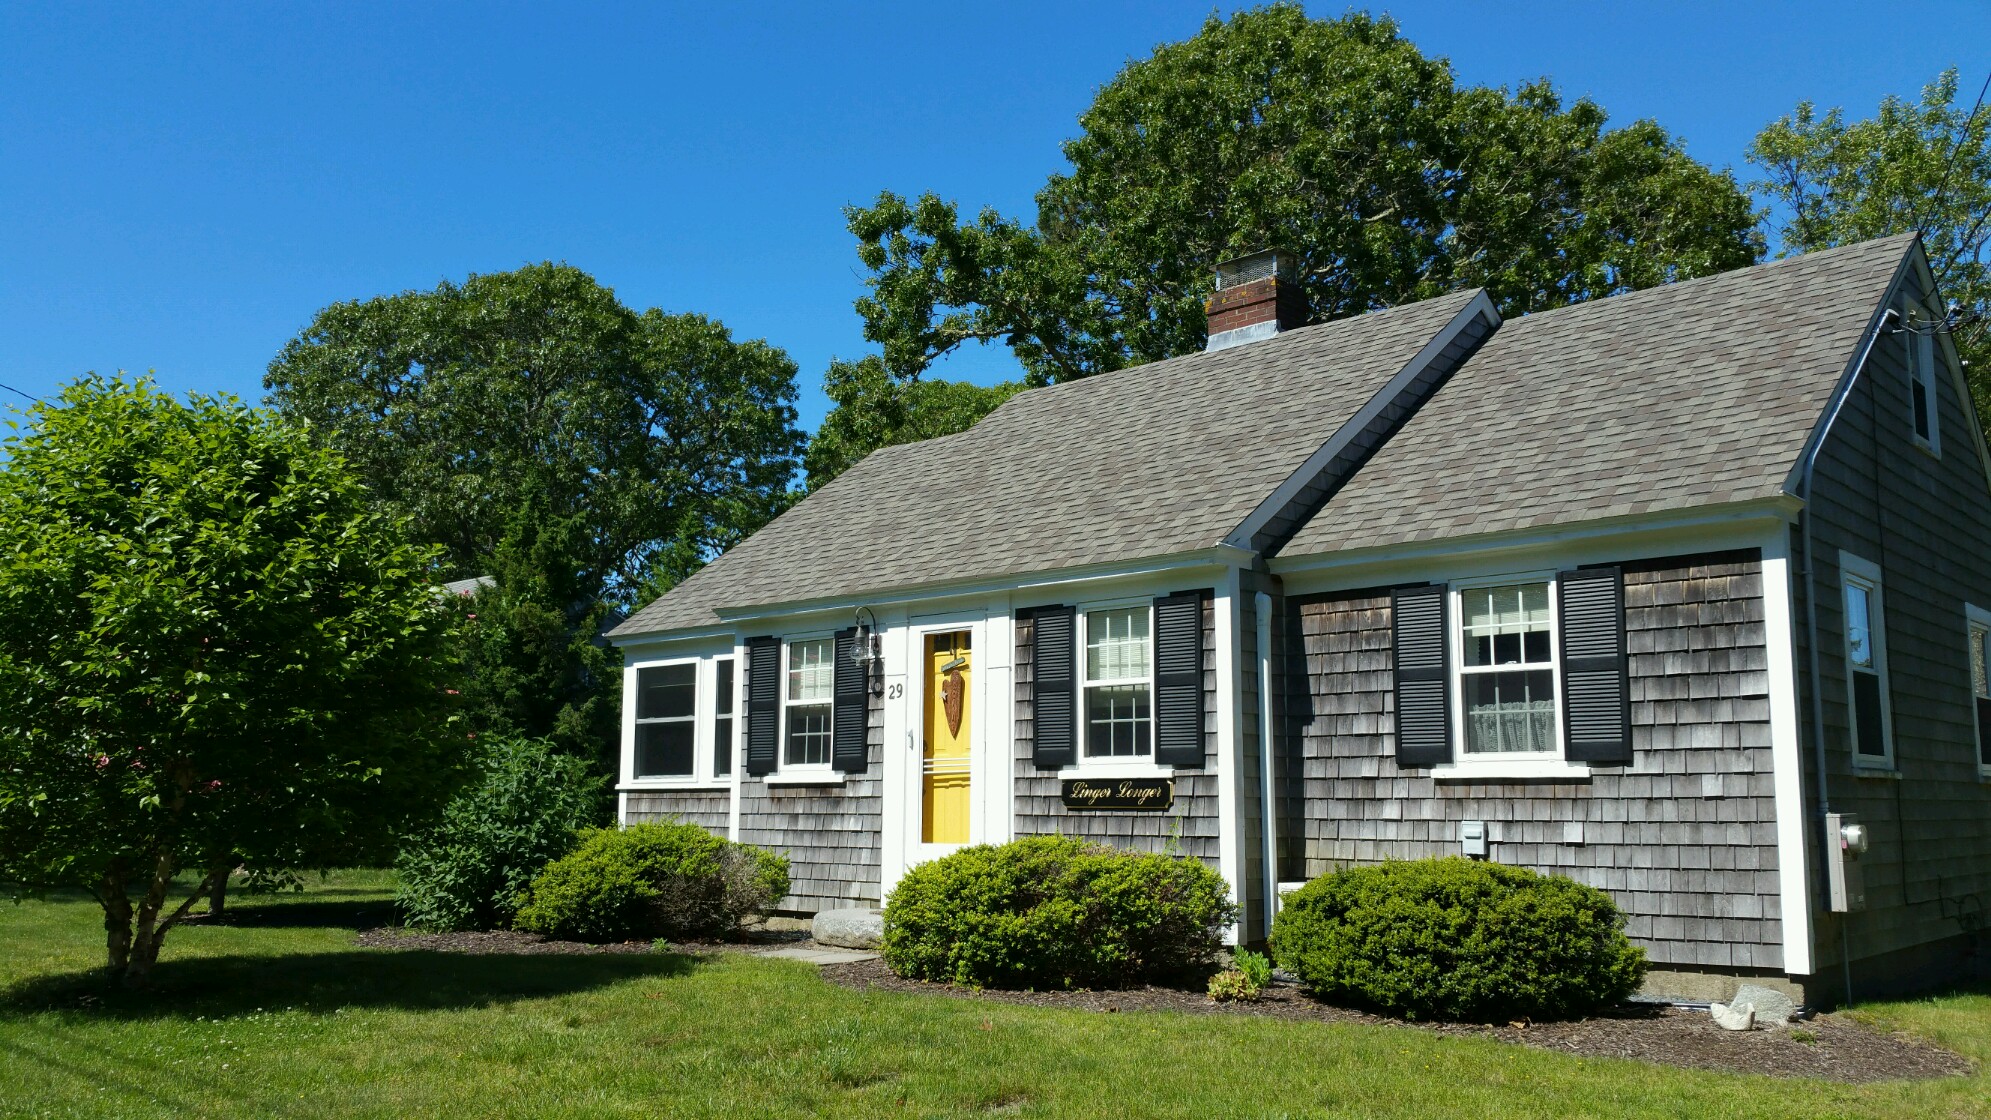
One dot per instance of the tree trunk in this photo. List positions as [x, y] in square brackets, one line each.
[145, 933]
[217, 890]
[117, 920]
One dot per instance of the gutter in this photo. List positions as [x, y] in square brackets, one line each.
[1811, 610]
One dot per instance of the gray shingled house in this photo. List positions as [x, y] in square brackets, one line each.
[1682, 593]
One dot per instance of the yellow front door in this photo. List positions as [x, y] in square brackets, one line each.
[944, 762]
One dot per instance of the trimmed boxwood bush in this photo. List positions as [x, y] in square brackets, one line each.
[526, 806]
[1457, 939]
[668, 880]
[1053, 912]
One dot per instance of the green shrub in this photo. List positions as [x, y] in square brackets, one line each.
[1457, 939]
[1053, 912]
[526, 807]
[667, 880]
[1256, 967]
[1232, 985]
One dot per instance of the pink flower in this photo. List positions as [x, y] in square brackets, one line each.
[103, 760]
[213, 785]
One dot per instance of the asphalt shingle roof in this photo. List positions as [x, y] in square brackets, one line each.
[1150, 461]
[1693, 394]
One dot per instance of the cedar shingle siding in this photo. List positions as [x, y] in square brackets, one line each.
[1684, 839]
[706, 808]
[1927, 523]
[1190, 826]
[830, 834]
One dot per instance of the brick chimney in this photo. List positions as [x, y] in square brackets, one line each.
[1257, 296]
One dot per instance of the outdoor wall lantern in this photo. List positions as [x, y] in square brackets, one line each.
[865, 653]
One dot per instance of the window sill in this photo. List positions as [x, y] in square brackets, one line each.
[677, 785]
[1106, 770]
[1881, 770]
[806, 778]
[1509, 770]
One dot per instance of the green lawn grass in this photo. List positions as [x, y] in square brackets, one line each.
[283, 1016]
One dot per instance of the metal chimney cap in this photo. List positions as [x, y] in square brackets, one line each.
[1263, 264]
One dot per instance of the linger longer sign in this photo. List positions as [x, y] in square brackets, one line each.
[1119, 793]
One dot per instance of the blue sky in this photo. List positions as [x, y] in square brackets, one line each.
[181, 188]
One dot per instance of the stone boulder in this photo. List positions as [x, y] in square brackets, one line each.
[1733, 1017]
[855, 928]
[1773, 1008]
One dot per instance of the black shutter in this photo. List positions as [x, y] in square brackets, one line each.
[1053, 663]
[1596, 687]
[847, 750]
[1423, 687]
[763, 704]
[1179, 679]
[1984, 730]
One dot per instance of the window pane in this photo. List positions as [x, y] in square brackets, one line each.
[722, 746]
[723, 683]
[1117, 646]
[1980, 654]
[1116, 721]
[1508, 712]
[663, 749]
[1922, 426]
[1859, 636]
[667, 692]
[812, 670]
[808, 735]
[1506, 625]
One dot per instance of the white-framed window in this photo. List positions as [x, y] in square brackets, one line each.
[1869, 717]
[1978, 627]
[808, 703]
[666, 721]
[723, 698]
[1116, 713]
[1507, 669]
[1923, 398]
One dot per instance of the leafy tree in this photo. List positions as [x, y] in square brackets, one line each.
[662, 438]
[1336, 139]
[537, 665]
[872, 409]
[1923, 166]
[214, 648]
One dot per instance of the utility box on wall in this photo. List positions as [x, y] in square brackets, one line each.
[1845, 842]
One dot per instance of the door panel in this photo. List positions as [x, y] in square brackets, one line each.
[947, 753]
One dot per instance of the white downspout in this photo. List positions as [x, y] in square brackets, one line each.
[1262, 606]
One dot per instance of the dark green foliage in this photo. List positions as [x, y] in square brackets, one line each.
[1054, 912]
[527, 808]
[1457, 939]
[215, 649]
[653, 880]
[1337, 139]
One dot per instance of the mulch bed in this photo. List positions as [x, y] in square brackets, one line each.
[487, 941]
[1837, 1049]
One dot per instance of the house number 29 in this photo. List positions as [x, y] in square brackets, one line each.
[894, 691]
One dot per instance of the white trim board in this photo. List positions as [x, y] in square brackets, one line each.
[1787, 756]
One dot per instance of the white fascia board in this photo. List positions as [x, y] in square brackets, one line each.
[663, 647]
[1850, 374]
[1479, 307]
[715, 635]
[1787, 756]
[1024, 584]
[1709, 528]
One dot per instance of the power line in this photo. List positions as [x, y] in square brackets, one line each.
[11, 389]
[1949, 165]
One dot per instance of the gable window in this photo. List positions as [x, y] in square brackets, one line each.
[809, 700]
[1507, 669]
[1866, 661]
[1979, 629]
[722, 717]
[1119, 666]
[666, 712]
[1923, 397]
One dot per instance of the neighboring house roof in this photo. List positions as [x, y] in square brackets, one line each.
[1151, 461]
[469, 586]
[1693, 394]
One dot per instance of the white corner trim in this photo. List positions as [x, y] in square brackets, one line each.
[1507, 770]
[806, 778]
[1230, 744]
[1480, 306]
[1786, 757]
